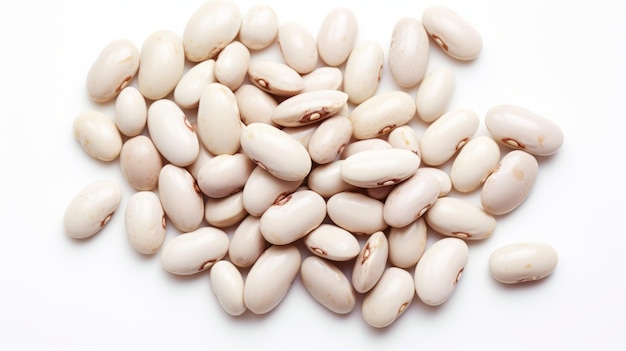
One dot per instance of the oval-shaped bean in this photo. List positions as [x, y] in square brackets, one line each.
[172, 133]
[336, 36]
[388, 300]
[407, 244]
[323, 78]
[247, 242]
[448, 134]
[439, 270]
[270, 278]
[91, 209]
[219, 124]
[195, 251]
[452, 33]
[362, 71]
[227, 284]
[255, 105]
[140, 162]
[356, 213]
[161, 65]
[259, 27]
[210, 28]
[476, 160]
[224, 175]
[329, 139]
[374, 168]
[275, 151]
[145, 222]
[231, 65]
[181, 198]
[326, 179]
[297, 47]
[225, 211]
[404, 137]
[522, 262]
[510, 183]
[307, 108]
[293, 217]
[328, 285]
[519, 128]
[410, 199]
[434, 94]
[363, 145]
[460, 218]
[370, 263]
[332, 243]
[262, 190]
[275, 78]
[445, 184]
[112, 70]
[191, 85]
[381, 113]
[98, 135]
[408, 52]
[131, 112]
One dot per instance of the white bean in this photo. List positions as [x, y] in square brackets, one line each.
[336, 36]
[113, 69]
[98, 135]
[145, 222]
[328, 285]
[91, 209]
[522, 262]
[195, 251]
[227, 284]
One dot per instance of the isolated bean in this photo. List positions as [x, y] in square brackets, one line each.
[91, 209]
[362, 72]
[510, 183]
[336, 36]
[210, 28]
[263, 189]
[410, 199]
[191, 85]
[370, 263]
[381, 113]
[408, 52]
[407, 244]
[522, 262]
[247, 243]
[460, 218]
[231, 65]
[145, 222]
[227, 285]
[112, 70]
[172, 133]
[404, 137]
[326, 179]
[519, 128]
[451, 32]
[439, 270]
[131, 112]
[224, 174]
[476, 160]
[297, 46]
[332, 243]
[328, 285]
[97, 135]
[434, 94]
[195, 251]
[356, 213]
[140, 162]
[374, 168]
[225, 211]
[389, 299]
[275, 78]
[219, 124]
[323, 78]
[259, 27]
[448, 134]
[181, 198]
[161, 65]
[307, 108]
[270, 278]
[329, 139]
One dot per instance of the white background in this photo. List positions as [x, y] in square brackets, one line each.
[565, 62]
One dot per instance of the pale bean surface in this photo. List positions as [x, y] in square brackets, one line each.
[91, 208]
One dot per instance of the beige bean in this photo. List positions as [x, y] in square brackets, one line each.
[448, 134]
[336, 36]
[389, 299]
[328, 285]
[140, 162]
[275, 78]
[98, 135]
[262, 190]
[231, 65]
[91, 209]
[460, 218]
[326, 179]
[224, 175]
[370, 263]
[219, 124]
[259, 27]
[247, 242]
[362, 71]
[255, 105]
[382, 113]
[434, 94]
[191, 85]
[408, 52]
[452, 33]
[112, 70]
[297, 47]
[407, 244]
[145, 222]
[329, 139]
[161, 64]
[181, 198]
[195, 251]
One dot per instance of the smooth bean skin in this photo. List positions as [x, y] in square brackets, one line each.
[195, 251]
[181, 198]
[434, 94]
[131, 112]
[323, 78]
[259, 27]
[98, 135]
[332, 243]
[329, 139]
[91, 208]
[381, 113]
[452, 33]
[247, 242]
[336, 36]
[410, 199]
[275, 78]
[140, 162]
[369, 265]
[476, 160]
[408, 52]
[448, 134]
[255, 105]
[460, 218]
[161, 64]
[404, 137]
[224, 175]
[389, 299]
[308, 108]
[231, 65]
[328, 285]
[145, 222]
[522, 262]
[112, 70]
[262, 190]
[225, 211]
[356, 213]
[227, 285]
[407, 244]
[362, 72]
[172, 133]
[325, 179]
[297, 46]
[374, 168]
[190, 86]
[210, 28]
[219, 124]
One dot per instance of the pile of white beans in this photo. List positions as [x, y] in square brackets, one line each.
[294, 166]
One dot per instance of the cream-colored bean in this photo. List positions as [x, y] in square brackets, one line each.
[370, 263]
[522, 262]
[161, 64]
[328, 285]
[404, 137]
[302, 134]
[255, 105]
[231, 65]
[452, 33]
[519, 128]
[140, 162]
[112, 70]
[203, 156]
[98, 135]
[329, 139]
[323, 78]
[297, 46]
[381, 113]
[336, 36]
[445, 184]
[460, 218]
[131, 112]
[247, 242]
[326, 179]
[270, 278]
[210, 28]
[410, 199]
[332, 243]
[434, 94]
[448, 134]
[191, 85]
[408, 52]
[510, 183]
[227, 285]
[259, 27]
[172, 133]
[181, 198]
[389, 299]
[476, 160]
[219, 124]
[363, 145]
[374, 168]
[307, 108]
[275, 78]
[263, 189]
[91, 209]
[225, 211]
[356, 213]
[224, 175]
[195, 251]
[362, 72]
[407, 244]
[145, 222]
